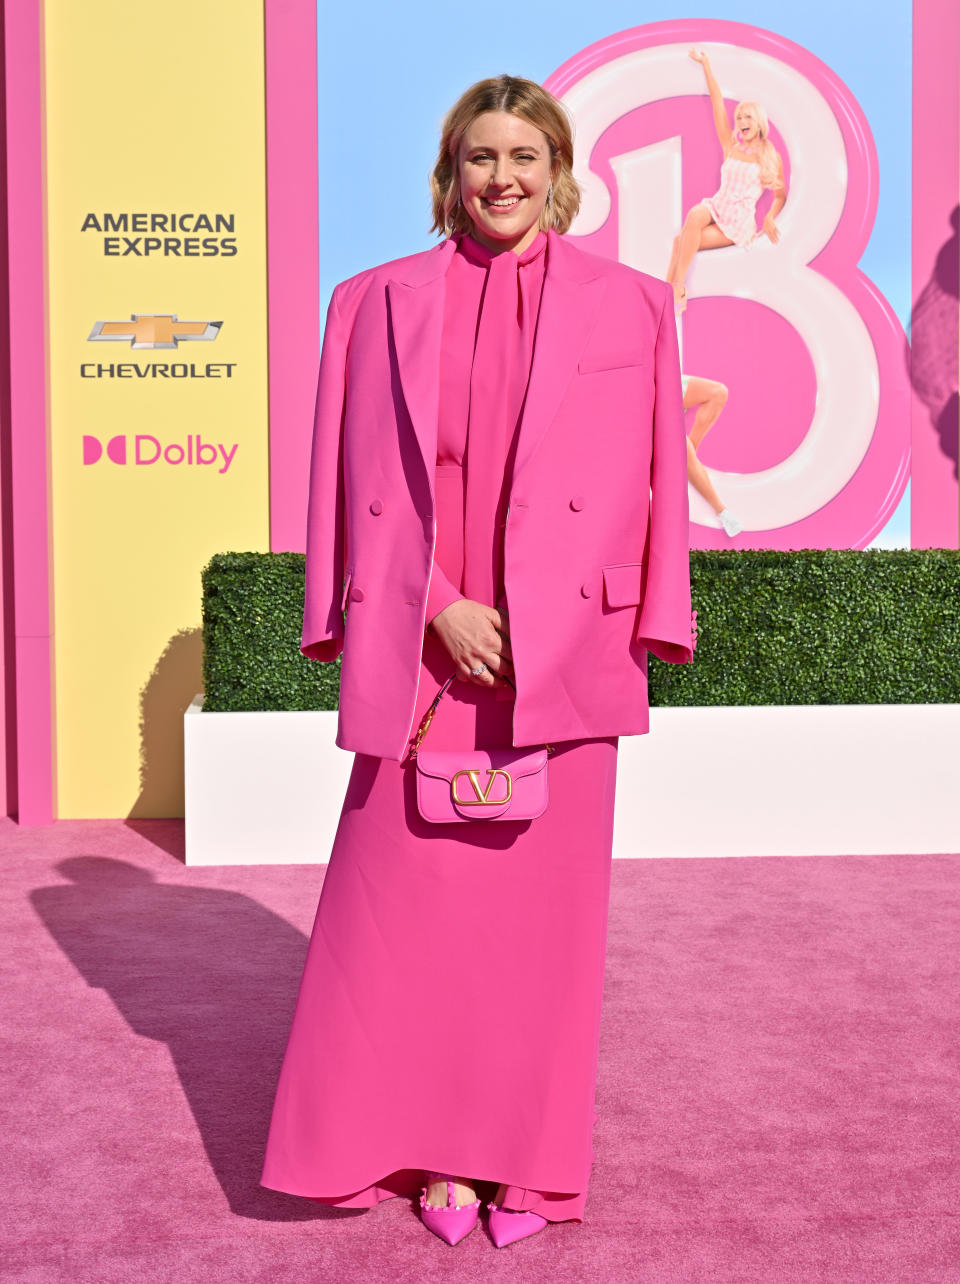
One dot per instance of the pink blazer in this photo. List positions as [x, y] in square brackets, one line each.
[596, 559]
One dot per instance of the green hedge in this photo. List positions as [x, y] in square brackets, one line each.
[813, 626]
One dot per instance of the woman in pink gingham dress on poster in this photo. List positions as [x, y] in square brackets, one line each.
[734, 204]
[751, 163]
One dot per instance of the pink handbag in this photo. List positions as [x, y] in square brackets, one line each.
[456, 785]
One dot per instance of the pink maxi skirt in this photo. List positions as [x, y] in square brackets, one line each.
[448, 1014]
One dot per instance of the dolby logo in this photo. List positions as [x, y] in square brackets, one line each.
[143, 449]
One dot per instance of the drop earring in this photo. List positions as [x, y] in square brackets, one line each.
[550, 193]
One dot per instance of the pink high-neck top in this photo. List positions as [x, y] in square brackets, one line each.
[464, 300]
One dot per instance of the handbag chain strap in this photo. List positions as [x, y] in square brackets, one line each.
[428, 716]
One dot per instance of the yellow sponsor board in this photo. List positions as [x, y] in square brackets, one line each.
[157, 305]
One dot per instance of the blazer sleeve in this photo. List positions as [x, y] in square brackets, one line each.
[324, 567]
[666, 625]
[440, 594]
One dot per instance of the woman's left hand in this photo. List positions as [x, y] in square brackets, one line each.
[771, 229]
[476, 635]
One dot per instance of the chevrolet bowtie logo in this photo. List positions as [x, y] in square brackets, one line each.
[154, 330]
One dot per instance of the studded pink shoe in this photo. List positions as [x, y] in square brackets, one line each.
[507, 1225]
[450, 1221]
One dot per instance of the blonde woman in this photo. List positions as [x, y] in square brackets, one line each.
[485, 409]
[750, 164]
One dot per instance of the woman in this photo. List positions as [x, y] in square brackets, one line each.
[751, 163]
[492, 415]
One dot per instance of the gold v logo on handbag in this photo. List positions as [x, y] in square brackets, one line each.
[455, 785]
[481, 797]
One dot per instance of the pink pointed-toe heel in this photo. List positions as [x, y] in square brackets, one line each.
[507, 1225]
[450, 1221]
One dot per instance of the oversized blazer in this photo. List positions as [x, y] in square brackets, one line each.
[596, 546]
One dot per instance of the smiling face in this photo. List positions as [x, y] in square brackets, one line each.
[504, 167]
[746, 121]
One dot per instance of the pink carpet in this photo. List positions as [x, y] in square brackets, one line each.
[778, 1088]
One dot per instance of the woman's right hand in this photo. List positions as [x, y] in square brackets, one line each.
[476, 634]
[699, 56]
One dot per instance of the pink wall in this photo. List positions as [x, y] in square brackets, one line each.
[293, 292]
[934, 496]
[26, 511]
[7, 758]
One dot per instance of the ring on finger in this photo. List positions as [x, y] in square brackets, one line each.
[475, 673]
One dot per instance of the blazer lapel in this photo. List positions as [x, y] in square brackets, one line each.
[569, 305]
[416, 321]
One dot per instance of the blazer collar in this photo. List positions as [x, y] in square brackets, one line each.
[563, 259]
[570, 303]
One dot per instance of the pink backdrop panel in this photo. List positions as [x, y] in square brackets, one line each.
[293, 258]
[29, 768]
[934, 506]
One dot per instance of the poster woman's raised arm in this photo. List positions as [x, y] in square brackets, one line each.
[720, 118]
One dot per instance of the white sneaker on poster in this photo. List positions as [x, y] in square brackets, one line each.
[729, 522]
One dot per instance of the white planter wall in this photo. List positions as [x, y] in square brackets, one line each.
[266, 788]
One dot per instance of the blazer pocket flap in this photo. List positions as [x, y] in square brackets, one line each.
[623, 585]
[611, 356]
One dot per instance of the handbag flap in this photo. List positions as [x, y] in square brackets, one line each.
[445, 763]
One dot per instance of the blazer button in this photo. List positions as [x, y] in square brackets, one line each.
[356, 595]
[376, 507]
[586, 589]
[577, 503]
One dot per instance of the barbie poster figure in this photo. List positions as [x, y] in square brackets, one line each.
[751, 163]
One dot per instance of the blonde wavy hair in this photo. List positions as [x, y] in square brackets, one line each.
[520, 97]
[769, 159]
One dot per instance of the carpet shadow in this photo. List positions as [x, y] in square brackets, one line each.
[214, 976]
